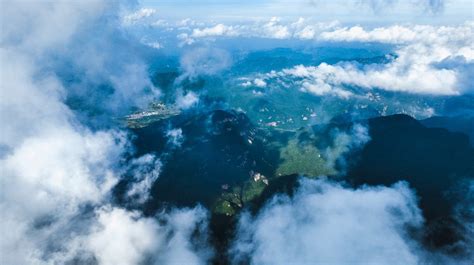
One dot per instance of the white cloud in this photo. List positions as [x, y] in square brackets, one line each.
[398, 34]
[217, 30]
[326, 223]
[26, 109]
[273, 28]
[416, 67]
[259, 82]
[56, 172]
[176, 136]
[419, 49]
[246, 84]
[307, 30]
[343, 143]
[145, 171]
[182, 226]
[138, 15]
[155, 44]
[319, 88]
[123, 237]
[48, 178]
[44, 25]
[186, 101]
[185, 39]
[53, 165]
[419, 52]
[402, 74]
[301, 77]
[395, 76]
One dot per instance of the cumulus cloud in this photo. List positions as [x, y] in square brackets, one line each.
[320, 88]
[46, 181]
[57, 172]
[112, 235]
[103, 76]
[259, 82]
[306, 29]
[123, 237]
[398, 34]
[217, 30]
[419, 50]
[428, 60]
[186, 100]
[389, 77]
[301, 77]
[62, 38]
[138, 15]
[273, 28]
[187, 238]
[325, 223]
[56, 162]
[46, 24]
[464, 68]
[58, 169]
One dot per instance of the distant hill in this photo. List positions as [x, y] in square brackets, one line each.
[463, 124]
[219, 150]
[433, 160]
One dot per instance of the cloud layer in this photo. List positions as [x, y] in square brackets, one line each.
[69, 70]
[57, 171]
[326, 223]
[419, 51]
[420, 64]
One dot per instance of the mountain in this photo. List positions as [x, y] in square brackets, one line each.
[434, 161]
[463, 124]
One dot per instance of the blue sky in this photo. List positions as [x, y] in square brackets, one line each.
[348, 11]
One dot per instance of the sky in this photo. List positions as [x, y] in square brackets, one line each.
[352, 11]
